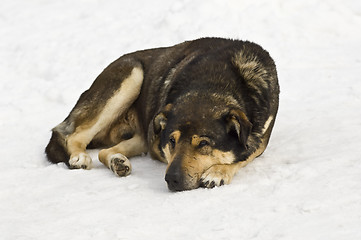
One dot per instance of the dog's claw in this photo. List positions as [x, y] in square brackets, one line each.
[81, 160]
[216, 175]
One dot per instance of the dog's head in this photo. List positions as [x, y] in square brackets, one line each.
[196, 136]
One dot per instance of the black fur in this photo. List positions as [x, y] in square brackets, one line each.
[223, 89]
[56, 150]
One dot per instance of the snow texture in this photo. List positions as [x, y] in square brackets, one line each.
[307, 185]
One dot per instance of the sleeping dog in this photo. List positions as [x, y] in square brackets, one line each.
[204, 107]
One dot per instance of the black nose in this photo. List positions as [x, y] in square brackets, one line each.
[174, 180]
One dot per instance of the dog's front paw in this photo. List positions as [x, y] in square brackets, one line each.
[120, 165]
[216, 175]
[81, 160]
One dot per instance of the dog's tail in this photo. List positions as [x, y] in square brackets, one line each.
[56, 150]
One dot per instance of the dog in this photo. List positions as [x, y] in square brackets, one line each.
[205, 107]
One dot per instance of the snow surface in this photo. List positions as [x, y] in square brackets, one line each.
[307, 185]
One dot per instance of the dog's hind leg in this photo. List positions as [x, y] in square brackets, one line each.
[116, 158]
[110, 96]
[117, 105]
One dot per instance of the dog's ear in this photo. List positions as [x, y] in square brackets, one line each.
[160, 120]
[238, 123]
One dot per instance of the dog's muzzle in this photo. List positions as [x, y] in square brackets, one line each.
[174, 177]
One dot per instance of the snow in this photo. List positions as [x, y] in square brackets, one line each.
[307, 185]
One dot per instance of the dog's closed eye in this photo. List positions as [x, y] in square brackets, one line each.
[203, 143]
[172, 142]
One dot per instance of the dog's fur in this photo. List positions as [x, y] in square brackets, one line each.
[205, 107]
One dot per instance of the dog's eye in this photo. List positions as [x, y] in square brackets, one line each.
[203, 143]
[172, 142]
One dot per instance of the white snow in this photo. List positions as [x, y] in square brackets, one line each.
[307, 185]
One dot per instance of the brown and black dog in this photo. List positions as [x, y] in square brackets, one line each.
[205, 107]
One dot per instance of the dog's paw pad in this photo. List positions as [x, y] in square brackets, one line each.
[120, 165]
[81, 160]
[215, 176]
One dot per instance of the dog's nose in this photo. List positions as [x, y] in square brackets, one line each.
[174, 181]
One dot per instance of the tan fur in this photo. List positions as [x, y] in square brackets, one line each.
[118, 104]
[220, 174]
[112, 135]
[196, 160]
[167, 150]
[195, 165]
[167, 155]
[197, 139]
[129, 148]
[176, 134]
[155, 152]
[267, 123]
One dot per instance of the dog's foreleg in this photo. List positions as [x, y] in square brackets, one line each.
[116, 158]
[221, 174]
